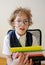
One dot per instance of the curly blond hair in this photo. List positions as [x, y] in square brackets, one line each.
[17, 11]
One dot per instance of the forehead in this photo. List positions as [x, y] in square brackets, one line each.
[22, 15]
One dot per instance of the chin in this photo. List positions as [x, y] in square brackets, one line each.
[21, 34]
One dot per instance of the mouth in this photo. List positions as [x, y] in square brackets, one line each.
[22, 29]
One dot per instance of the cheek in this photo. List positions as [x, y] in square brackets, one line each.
[27, 27]
[16, 24]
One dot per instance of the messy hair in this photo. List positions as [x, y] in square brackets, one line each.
[17, 11]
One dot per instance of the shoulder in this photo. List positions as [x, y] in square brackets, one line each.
[9, 31]
[6, 37]
[8, 34]
[29, 33]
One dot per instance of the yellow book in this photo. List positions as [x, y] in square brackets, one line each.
[26, 49]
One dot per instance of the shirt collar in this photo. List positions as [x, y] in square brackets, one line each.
[18, 36]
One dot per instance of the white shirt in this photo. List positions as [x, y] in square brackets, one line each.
[6, 44]
[21, 38]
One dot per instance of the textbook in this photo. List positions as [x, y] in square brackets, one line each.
[26, 49]
[34, 50]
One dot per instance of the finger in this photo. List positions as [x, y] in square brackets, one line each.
[27, 63]
[16, 55]
[26, 58]
[22, 57]
[31, 62]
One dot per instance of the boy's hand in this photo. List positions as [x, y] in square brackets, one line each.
[29, 62]
[21, 59]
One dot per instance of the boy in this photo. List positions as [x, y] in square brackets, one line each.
[21, 19]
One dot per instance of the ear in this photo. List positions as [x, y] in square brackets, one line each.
[13, 23]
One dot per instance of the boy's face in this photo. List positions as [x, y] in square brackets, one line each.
[21, 23]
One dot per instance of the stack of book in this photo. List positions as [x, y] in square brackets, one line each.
[32, 50]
